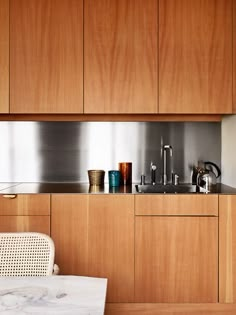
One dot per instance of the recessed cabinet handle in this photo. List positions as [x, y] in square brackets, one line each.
[9, 196]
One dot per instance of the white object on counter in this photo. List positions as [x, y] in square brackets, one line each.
[68, 295]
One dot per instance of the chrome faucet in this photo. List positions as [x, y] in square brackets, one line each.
[153, 174]
[164, 176]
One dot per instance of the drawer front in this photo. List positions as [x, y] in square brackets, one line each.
[25, 204]
[176, 259]
[176, 205]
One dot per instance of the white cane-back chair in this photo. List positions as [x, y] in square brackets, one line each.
[27, 254]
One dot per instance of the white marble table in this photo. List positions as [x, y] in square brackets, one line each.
[70, 295]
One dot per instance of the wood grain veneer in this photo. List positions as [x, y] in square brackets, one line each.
[109, 117]
[32, 204]
[26, 223]
[111, 244]
[69, 230]
[4, 56]
[46, 56]
[176, 259]
[227, 249]
[195, 56]
[234, 56]
[120, 56]
[189, 204]
[169, 309]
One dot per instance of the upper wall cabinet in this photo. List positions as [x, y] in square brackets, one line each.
[4, 56]
[46, 56]
[195, 56]
[234, 56]
[120, 60]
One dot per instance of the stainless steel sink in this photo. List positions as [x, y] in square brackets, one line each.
[170, 189]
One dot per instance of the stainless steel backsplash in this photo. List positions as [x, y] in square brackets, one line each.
[64, 151]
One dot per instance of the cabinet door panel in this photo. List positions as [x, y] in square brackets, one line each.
[111, 244]
[25, 223]
[69, 230]
[227, 248]
[33, 204]
[195, 49]
[120, 56]
[4, 56]
[46, 56]
[176, 259]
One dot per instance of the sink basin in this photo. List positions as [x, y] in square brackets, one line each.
[170, 189]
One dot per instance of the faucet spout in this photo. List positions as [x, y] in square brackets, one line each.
[165, 148]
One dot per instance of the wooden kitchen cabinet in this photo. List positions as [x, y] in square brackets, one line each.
[227, 248]
[120, 56]
[234, 56]
[46, 56]
[69, 230]
[4, 56]
[195, 56]
[94, 236]
[176, 256]
[111, 244]
[25, 213]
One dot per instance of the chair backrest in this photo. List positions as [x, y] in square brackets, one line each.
[26, 254]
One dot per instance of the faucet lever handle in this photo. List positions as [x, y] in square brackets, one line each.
[175, 179]
[153, 174]
[142, 182]
[153, 167]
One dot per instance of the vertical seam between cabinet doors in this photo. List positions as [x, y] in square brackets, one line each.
[50, 212]
[87, 236]
[218, 274]
[158, 57]
[134, 201]
[232, 50]
[9, 55]
[83, 2]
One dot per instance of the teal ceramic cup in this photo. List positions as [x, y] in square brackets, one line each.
[114, 178]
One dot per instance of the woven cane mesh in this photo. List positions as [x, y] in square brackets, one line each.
[26, 254]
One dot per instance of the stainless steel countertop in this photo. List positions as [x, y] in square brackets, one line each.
[74, 188]
[62, 188]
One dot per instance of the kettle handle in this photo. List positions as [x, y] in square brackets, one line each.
[216, 167]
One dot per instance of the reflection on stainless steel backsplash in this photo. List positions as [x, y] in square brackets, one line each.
[64, 151]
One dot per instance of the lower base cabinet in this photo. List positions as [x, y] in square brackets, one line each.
[111, 244]
[176, 259]
[176, 248]
[94, 236]
[69, 231]
[147, 256]
[159, 253]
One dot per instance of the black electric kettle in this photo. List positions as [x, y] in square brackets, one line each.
[207, 178]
